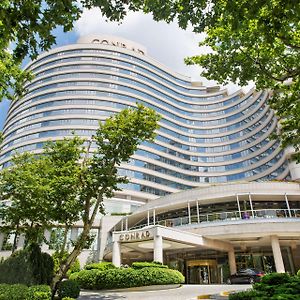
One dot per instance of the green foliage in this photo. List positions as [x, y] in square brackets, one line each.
[68, 288]
[102, 266]
[298, 273]
[22, 292]
[127, 277]
[273, 286]
[38, 292]
[28, 266]
[58, 259]
[145, 264]
[13, 292]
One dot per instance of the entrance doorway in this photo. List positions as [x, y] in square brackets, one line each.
[201, 271]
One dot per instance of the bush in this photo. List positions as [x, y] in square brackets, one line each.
[85, 278]
[275, 286]
[29, 266]
[68, 288]
[13, 292]
[38, 292]
[298, 273]
[145, 264]
[126, 277]
[100, 266]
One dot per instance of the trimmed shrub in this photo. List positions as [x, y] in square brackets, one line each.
[275, 286]
[100, 266]
[68, 288]
[85, 278]
[126, 277]
[13, 292]
[29, 267]
[145, 264]
[38, 292]
[246, 295]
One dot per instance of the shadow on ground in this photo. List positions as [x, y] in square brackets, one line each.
[101, 297]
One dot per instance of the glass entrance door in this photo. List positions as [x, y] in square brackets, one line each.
[202, 272]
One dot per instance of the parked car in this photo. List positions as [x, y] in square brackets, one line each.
[246, 276]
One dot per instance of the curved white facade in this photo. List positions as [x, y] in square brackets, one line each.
[206, 136]
[215, 230]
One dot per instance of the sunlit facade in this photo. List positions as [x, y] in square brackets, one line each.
[206, 138]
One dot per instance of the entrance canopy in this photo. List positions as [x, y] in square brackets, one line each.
[156, 238]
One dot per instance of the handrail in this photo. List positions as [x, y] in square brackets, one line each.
[226, 216]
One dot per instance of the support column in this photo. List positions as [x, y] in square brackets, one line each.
[148, 217]
[2, 236]
[277, 254]
[21, 241]
[251, 205]
[189, 212]
[154, 216]
[74, 234]
[116, 255]
[232, 263]
[288, 205]
[47, 235]
[198, 212]
[238, 204]
[158, 248]
[126, 224]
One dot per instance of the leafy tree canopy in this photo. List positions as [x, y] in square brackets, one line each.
[255, 40]
[70, 180]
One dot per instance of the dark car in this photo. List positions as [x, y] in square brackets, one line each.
[246, 276]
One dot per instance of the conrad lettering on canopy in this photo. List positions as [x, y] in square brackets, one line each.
[135, 236]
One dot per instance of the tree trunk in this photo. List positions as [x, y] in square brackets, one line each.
[64, 267]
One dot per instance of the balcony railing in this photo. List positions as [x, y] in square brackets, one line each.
[226, 216]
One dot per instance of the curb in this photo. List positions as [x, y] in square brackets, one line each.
[138, 289]
[221, 295]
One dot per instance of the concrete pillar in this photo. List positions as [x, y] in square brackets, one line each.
[198, 212]
[232, 263]
[277, 254]
[116, 255]
[47, 235]
[21, 241]
[2, 236]
[158, 248]
[189, 213]
[251, 205]
[238, 205]
[288, 205]
[153, 216]
[148, 217]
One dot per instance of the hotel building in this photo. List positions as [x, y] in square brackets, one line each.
[200, 189]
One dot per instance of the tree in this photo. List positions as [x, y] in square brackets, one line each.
[68, 183]
[257, 40]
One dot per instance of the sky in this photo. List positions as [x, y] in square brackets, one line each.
[166, 43]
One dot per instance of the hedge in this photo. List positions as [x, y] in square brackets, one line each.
[126, 277]
[68, 288]
[22, 292]
[102, 266]
[145, 264]
[273, 286]
[29, 267]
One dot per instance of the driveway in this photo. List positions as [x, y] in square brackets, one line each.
[185, 292]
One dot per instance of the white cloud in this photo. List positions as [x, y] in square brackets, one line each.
[166, 43]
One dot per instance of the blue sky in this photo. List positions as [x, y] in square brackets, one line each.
[166, 43]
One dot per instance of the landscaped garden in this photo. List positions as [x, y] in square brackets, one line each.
[27, 275]
[274, 286]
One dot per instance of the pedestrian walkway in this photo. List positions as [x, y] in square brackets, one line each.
[185, 292]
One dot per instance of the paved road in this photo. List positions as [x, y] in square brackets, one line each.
[185, 292]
